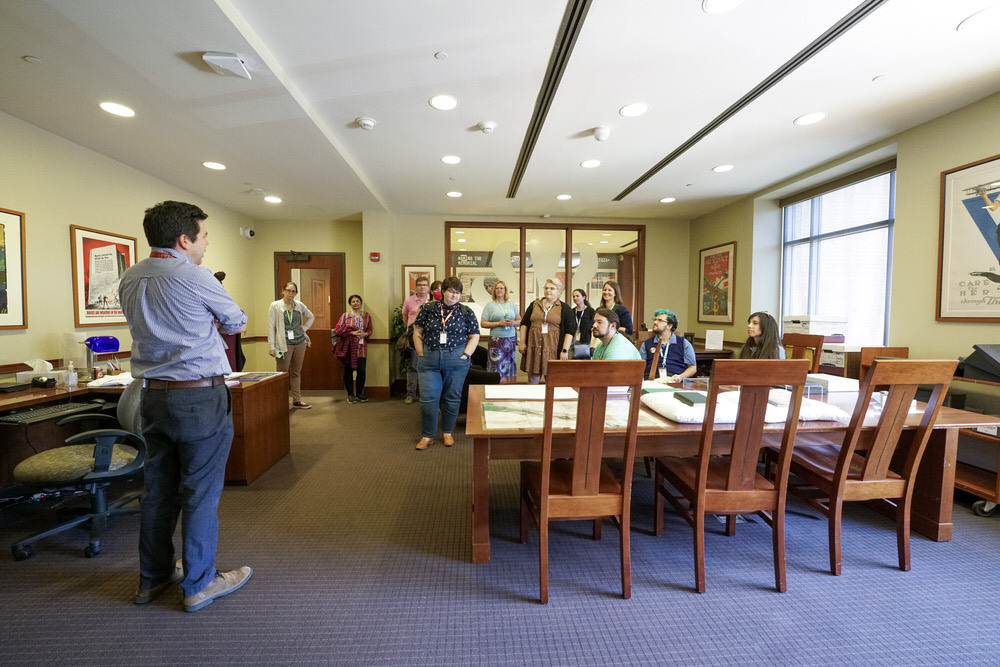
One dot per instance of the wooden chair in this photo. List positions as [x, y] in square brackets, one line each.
[583, 487]
[802, 342]
[868, 355]
[725, 481]
[840, 472]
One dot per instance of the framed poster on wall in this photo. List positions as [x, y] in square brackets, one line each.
[13, 289]
[969, 243]
[99, 260]
[716, 279]
[413, 271]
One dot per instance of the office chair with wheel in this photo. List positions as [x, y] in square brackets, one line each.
[87, 464]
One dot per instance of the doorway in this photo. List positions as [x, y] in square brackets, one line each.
[320, 277]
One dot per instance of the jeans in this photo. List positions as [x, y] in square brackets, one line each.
[188, 433]
[442, 374]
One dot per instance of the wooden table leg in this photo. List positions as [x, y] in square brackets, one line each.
[481, 500]
[934, 492]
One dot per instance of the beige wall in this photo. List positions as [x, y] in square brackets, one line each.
[958, 138]
[56, 183]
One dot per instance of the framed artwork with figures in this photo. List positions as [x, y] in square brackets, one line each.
[969, 243]
[716, 279]
[99, 260]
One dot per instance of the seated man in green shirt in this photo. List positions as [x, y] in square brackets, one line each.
[613, 346]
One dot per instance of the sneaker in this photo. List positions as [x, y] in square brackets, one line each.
[409, 400]
[352, 399]
[302, 405]
[362, 398]
[223, 584]
[147, 595]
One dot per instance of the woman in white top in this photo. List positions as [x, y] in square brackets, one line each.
[288, 320]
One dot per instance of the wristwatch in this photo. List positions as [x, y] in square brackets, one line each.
[565, 351]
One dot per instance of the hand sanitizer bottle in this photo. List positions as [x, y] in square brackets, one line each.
[71, 377]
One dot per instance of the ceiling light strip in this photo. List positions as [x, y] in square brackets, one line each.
[572, 24]
[856, 15]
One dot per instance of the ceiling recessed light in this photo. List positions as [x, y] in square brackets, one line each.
[810, 118]
[722, 168]
[459, 232]
[606, 234]
[605, 241]
[443, 102]
[217, 166]
[34, 60]
[441, 55]
[451, 159]
[461, 240]
[272, 199]
[634, 110]
[456, 195]
[719, 6]
[590, 164]
[117, 109]
[668, 200]
[564, 197]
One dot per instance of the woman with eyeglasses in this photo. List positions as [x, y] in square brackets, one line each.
[500, 317]
[546, 331]
[352, 330]
[445, 334]
[762, 338]
[288, 320]
[611, 298]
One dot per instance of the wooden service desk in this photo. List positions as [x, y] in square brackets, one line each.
[260, 425]
[932, 500]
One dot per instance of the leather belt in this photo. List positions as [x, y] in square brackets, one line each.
[168, 385]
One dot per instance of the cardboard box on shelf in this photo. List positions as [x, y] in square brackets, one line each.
[833, 328]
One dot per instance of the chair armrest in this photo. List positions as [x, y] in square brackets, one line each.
[104, 441]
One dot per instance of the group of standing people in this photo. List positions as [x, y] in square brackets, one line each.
[289, 320]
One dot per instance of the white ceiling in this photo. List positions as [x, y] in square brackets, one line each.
[316, 65]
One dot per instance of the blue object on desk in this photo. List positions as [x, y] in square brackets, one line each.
[102, 344]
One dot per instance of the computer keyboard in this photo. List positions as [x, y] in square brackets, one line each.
[41, 413]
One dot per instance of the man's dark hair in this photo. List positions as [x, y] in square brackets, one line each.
[608, 314]
[168, 220]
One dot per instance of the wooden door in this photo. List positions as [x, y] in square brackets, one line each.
[320, 277]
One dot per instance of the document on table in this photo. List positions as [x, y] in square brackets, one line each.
[525, 392]
[504, 415]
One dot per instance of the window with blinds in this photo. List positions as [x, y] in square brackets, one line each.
[837, 254]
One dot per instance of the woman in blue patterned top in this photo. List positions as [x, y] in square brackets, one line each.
[444, 335]
[500, 317]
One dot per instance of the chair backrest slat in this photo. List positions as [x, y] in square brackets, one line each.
[591, 379]
[802, 342]
[903, 378]
[754, 379]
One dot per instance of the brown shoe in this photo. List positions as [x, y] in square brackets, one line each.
[424, 443]
[147, 595]
[448, 440]
[224, 583]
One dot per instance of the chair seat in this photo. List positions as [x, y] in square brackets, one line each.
[71, 463]
[562, 478]
[684, 471]
[822, 460]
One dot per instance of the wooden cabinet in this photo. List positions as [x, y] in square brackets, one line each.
[260, 428]
[978, 451]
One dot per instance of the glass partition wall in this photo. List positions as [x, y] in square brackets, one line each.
[482, 253]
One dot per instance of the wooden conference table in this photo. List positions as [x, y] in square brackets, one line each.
[932, 500]
[260, 424]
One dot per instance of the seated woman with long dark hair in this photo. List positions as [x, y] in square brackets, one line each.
[762, 338]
